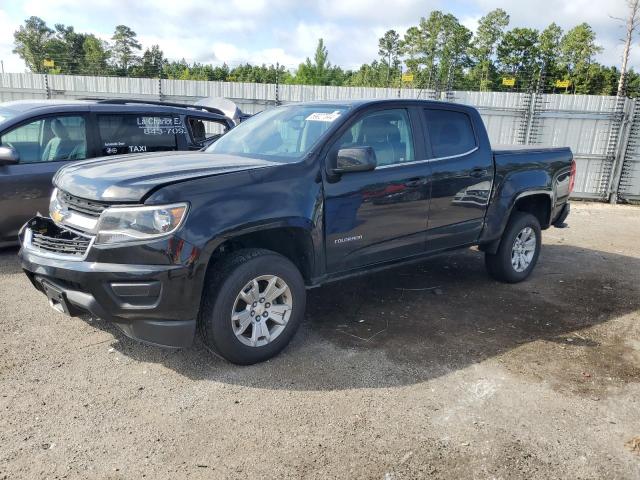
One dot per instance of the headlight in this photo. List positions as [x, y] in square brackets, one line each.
[54, 207]
[130, 224]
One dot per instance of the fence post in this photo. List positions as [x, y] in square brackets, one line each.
[46, 86]
[613, 149]
[159, 89]
[625, 146]
[277, 101]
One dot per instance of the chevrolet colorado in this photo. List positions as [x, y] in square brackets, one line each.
[225, 241]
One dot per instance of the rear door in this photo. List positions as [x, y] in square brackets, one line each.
[461, 177]
[44, 145]
[380, 215]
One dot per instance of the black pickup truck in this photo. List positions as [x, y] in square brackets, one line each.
[226, 241]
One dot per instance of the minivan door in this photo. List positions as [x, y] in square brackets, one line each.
[379, 215]
[44, 146]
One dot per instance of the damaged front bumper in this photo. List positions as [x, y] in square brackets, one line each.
[155, 302]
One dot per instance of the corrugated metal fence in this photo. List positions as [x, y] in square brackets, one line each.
[603, 132]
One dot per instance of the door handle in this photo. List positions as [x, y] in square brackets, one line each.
[478, 172]
[414, 182]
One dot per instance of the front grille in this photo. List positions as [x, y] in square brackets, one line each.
[63, 242]
[80, 205]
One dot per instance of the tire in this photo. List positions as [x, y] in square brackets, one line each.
[501, 264]
[222, 300]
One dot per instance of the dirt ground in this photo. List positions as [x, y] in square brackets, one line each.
[428, 371]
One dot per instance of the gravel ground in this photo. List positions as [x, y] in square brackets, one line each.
[427, 371]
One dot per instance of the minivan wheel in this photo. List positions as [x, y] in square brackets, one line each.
[519, 249]
[253, 303]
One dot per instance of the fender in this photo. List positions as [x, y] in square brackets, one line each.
[313, 236]
[509, 188]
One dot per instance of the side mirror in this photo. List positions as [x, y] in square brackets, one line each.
[8, 155]
[355, 159]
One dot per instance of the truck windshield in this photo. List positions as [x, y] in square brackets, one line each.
[281, 134]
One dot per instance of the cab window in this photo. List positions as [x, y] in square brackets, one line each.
[450, 132]
[49, 139]
[387, 132]
[138, 133]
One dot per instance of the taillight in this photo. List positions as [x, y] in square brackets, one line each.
[572, 176]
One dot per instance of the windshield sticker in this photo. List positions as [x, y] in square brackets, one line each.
[323, 116]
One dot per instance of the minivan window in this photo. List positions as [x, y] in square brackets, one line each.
[49, 139]
[204, 130]
[450, 132]
[138, 133]
[282, 134]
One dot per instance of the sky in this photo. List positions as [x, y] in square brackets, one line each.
[287, 31]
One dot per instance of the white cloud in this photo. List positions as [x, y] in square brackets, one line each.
[286, 31]
[10, 61]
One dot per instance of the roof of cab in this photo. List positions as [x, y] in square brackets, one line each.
[374, 101]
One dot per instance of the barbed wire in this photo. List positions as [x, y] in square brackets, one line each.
[265, 72]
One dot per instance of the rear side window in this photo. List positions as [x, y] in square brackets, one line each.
[205, 130]
[138, 133]
[450, 132]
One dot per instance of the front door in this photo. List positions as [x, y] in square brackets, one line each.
[44, 146]
[380, 215]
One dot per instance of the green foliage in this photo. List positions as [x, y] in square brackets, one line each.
[578, 47]
[31, 41]
[389, 49]
[518, 55]
[490, 31]
[439, 51]
[319, 71]
[125, 44]
[95, 56]
[436, 50]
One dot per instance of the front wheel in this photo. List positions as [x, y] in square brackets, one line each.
[253, 303]
[519, 249]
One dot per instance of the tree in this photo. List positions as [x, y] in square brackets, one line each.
[411, 47]
[389, 51]
[152, 63]
[320, 71]
[549, 47]
[519, 52]
[66, 49]
[96, 56]
[31, 43]
[578, 48]
[124, 47]
[488, 35]
[437, 49]
[455, 39]
[631, 24]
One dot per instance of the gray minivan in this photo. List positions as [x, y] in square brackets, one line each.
[38, 137]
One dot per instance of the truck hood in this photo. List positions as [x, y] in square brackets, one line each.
[128, 178]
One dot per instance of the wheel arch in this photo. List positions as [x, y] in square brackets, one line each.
[289, 238]
[539, 203]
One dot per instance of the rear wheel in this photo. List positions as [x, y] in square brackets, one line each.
[253, 303]
[519, 249]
